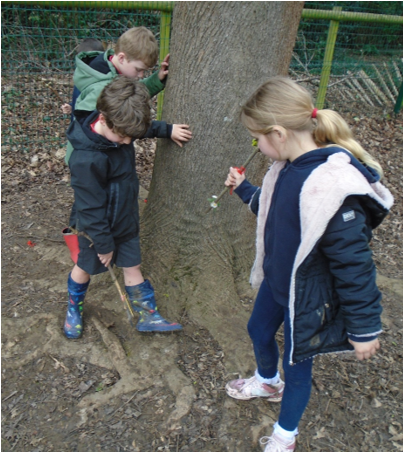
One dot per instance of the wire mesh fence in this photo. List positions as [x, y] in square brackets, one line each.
[366, 61]
[39, 45]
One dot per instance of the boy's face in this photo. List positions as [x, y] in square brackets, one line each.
[110, 135]
[116, 138]
[134, 69]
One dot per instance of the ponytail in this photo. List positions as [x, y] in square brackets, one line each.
[280, 101]
[331, 128]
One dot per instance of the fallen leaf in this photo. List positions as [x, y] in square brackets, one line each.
[320, 434]
[376, 403]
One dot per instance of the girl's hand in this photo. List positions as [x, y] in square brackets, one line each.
[105, 259]
[66, 109]
[180, 133]
[164, 68]
[365, 350]
[234, 178]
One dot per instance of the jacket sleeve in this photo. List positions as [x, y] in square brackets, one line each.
[89, 180]
[249, 194]
[346, 246]
[87, 100]
[159, 129]
[154, 84]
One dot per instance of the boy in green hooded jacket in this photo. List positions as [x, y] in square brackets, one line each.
[135, 52]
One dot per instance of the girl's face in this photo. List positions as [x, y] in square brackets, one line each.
[268, 145]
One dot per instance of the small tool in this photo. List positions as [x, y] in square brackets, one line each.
[240, 170]
[214, 200]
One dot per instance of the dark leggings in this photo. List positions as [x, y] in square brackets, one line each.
[266, 319]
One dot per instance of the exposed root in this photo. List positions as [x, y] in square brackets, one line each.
[181, 386]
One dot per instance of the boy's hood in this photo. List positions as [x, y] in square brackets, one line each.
[80, 135]
[84, 75]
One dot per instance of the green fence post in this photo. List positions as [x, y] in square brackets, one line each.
[400, 99]
[165, 22]
[327, 60]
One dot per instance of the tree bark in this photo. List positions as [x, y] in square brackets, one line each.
[200, 263]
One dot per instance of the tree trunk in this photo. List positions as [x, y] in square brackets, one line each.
[200, 263]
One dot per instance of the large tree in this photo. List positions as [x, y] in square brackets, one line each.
[199, 262]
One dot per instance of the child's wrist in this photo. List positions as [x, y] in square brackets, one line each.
[361, 339]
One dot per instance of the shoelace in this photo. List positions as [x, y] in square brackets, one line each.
[275, 443]
[248, 382]
[258, 384]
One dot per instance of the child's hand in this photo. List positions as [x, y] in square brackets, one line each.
[180, 133]
[234, 178]
[164, 68]
[67, 109]
[105, 259]
[365, 350]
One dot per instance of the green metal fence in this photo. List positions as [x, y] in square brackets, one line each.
[351, 58]
[351, 55]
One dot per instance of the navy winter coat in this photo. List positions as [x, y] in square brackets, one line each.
[105, 183]
[332, 291]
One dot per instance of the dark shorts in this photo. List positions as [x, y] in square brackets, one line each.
[127, 254]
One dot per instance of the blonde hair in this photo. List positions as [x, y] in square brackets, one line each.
[138, 43]
[282, 102]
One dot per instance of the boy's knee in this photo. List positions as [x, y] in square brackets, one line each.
[78, 275]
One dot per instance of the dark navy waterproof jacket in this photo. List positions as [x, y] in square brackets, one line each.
[105, 184]
[321, 267]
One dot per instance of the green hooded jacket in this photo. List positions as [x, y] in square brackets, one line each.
[91, 82]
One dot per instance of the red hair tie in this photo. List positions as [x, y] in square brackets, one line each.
[314, 112]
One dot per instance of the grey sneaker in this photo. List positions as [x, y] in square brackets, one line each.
[277, 443]
[246, 389]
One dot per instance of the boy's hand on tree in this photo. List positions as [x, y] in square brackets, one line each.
[181, 133]
[66, 109]
[234, 178]
[164, 68]
[365, 350]
[105, 259]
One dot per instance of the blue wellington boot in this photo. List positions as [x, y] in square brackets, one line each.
[150, 320]
[73, 326]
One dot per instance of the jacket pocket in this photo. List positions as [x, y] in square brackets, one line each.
[330, 303]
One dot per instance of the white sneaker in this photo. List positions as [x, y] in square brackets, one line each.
[246, 389]
[277, 443]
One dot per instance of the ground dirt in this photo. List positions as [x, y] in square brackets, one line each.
[118, 390]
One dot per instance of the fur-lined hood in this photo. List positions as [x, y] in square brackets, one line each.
[322, 194]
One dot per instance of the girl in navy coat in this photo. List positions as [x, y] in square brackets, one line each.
[314, 270]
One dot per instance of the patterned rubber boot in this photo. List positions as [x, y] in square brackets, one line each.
[150, 320]
[73, 326]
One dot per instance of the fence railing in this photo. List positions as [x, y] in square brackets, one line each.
[352, 59]
[379, 86]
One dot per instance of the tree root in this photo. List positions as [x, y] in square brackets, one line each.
[133, 380]
[49, 339]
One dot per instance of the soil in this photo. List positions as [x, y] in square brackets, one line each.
[118, 390]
